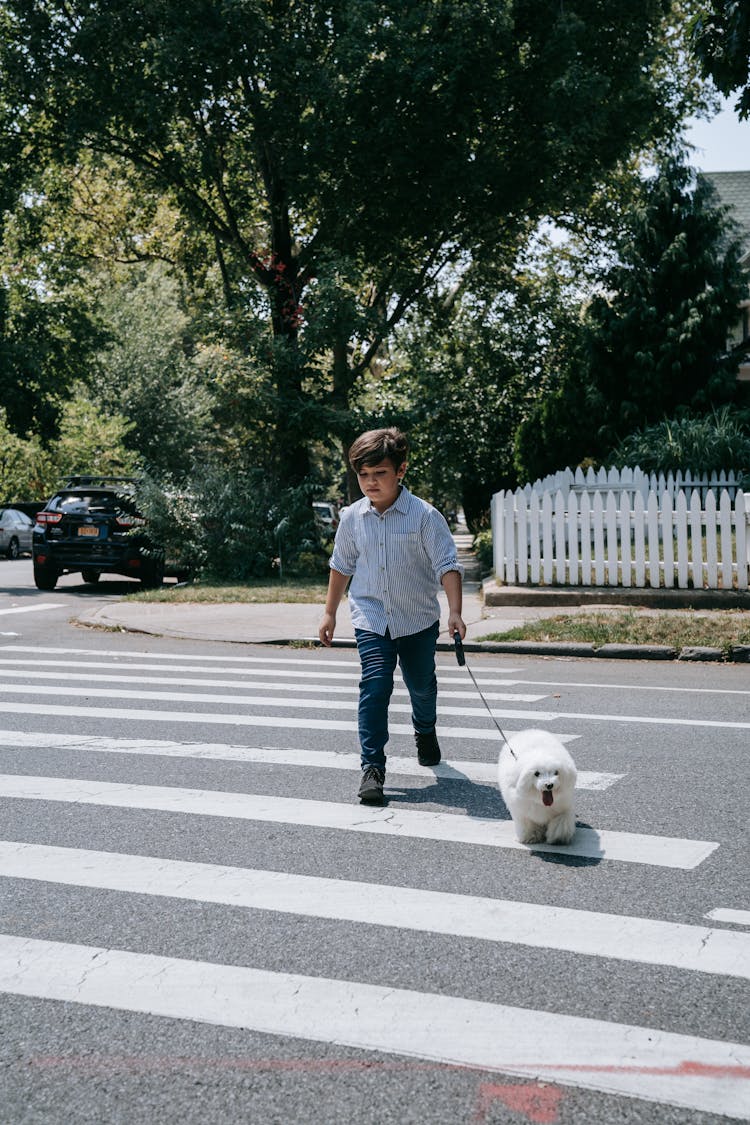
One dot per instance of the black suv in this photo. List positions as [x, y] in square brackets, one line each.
[92, 525]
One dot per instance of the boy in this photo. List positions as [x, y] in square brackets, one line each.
[397, 550]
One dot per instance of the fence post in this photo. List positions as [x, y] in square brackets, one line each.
[585, 539]
[597, 516]
[534, 534]
[625, 546]
[547, 537]
[639, 524]
[696, 540]
[682, 540]
[742, 537]
[560, 537]
[573, 532]
[654, 569]
[498, 536]
[725, 539]
[613, 575]
[712, 557]
[667, 539]
[510, 538]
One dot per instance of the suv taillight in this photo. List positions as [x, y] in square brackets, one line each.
[48, 517]
[130, 521]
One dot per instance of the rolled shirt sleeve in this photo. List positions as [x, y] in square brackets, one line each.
[345, 553]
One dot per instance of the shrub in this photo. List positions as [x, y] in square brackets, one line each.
[720, 440]
[229, 525]
[483, 550]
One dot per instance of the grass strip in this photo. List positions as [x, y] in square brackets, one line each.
[195, 593]
[720, 629]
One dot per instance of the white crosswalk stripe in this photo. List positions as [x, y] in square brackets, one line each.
[319, 688]
[81, 689]
[696, 948]
[484, 773]
[615, 1058]
[628, 847]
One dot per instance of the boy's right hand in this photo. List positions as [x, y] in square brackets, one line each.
[327, 628]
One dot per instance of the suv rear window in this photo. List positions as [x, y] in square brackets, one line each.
[79, 503]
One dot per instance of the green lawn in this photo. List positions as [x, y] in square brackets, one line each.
[717, 629]
[291, 590]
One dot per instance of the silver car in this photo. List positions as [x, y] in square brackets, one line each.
[15, 532]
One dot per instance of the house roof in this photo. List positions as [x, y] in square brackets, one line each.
[733, 189]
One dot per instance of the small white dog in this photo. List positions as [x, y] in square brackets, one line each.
[537, 777]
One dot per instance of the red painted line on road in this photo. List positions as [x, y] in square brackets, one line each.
[688, 1068]
[537, 1103]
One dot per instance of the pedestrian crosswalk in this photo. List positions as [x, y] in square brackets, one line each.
[86, 740]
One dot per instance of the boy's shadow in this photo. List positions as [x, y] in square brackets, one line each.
[475, 799]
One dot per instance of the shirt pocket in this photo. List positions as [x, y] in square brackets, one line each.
[404, 548]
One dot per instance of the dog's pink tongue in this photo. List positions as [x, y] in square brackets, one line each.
[547, 797]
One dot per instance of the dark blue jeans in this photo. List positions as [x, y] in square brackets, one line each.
[378, 655]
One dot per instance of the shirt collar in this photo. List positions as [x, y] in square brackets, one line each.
[400, 504]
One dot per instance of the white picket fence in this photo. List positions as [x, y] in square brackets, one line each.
[634, 480]
[592, 535]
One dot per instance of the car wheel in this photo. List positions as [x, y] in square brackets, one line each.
[153, 574]
[13, 550]
[45, 576]
[89, 575]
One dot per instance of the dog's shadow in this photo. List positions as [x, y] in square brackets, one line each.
[485, 803]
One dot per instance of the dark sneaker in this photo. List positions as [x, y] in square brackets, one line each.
[371, 786]
[428, 751]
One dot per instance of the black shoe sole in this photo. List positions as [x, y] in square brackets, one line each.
[425, 761]
[371, 799]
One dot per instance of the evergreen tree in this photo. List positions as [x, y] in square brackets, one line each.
[654, 338]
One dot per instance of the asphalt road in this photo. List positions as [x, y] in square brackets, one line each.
[200, 924]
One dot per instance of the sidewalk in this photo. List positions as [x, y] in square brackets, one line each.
[275, 623]
[281, 623]
[499, 609]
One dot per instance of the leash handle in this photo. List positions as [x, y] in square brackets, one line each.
[459, 649]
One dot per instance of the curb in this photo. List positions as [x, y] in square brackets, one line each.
[738, 654]
[634, 597]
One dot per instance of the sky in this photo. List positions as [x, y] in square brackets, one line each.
[722, 144]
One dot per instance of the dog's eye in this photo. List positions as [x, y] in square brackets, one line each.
[536, 773]
[556, 772]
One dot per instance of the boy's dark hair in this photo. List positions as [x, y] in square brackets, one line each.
[378, 445]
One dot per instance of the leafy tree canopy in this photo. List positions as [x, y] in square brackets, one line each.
[721, 38]
[336, 157]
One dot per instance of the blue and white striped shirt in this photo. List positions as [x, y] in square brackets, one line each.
[396, 561]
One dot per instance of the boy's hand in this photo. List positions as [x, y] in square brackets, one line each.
[327, 628]
[456, 623]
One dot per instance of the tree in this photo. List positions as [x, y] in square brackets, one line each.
[338, 157]
[90, 441]
[148, 371]
[48, 333]
[467, 374]
[654, 338]
[721, 39]
[25, 467]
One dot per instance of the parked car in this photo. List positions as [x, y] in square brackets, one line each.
[92, 525]
[326, 514]
[15, 532]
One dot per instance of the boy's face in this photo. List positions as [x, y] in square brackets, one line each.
[380, 483]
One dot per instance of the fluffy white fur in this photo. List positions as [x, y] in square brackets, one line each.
[541, 765]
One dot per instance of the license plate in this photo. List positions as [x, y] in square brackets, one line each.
[92, 531]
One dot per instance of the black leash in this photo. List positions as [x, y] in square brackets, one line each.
[461, 658]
